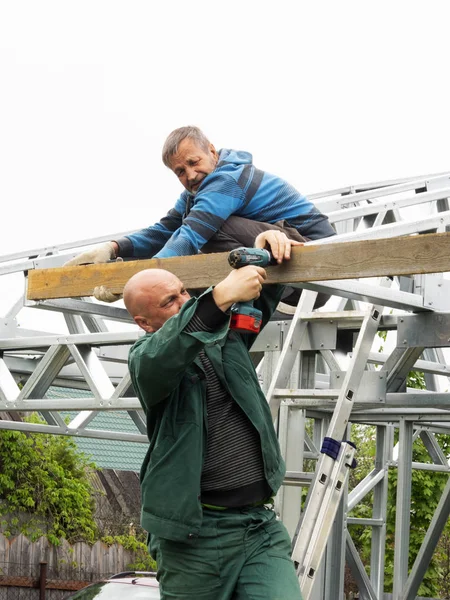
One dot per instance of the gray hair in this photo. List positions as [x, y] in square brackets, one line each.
[177, 136]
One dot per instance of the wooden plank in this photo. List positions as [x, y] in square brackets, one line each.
[428, 253]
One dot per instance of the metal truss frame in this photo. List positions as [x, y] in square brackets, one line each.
[308, 361]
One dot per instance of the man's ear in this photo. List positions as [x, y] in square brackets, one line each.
[143, 324]
[213, 151]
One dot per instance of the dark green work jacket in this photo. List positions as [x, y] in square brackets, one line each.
[170, 382]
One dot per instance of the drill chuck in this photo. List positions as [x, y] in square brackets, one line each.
[241, 257]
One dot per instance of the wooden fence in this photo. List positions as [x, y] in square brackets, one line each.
[19, 556]
[40, 571]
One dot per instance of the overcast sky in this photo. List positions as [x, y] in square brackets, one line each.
[324, 94]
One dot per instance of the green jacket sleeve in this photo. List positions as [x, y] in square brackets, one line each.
[158, 361]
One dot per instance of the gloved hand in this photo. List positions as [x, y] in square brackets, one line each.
[100, 254]
[104, 294]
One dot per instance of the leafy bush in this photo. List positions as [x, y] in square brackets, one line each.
[144, 562]
[45, 487]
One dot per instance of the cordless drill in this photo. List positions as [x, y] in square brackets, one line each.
[244, 316]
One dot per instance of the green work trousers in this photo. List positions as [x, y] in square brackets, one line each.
[240, 554]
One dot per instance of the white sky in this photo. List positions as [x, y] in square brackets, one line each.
[324, 94]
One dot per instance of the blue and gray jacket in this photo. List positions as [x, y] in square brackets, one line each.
[235, 187]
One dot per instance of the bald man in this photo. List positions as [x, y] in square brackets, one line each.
[213, 463]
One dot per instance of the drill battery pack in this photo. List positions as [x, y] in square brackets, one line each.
[245, 323]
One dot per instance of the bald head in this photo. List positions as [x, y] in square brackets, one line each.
[152, 296]
[142, 286]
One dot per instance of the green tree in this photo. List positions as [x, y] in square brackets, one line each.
[45, 487]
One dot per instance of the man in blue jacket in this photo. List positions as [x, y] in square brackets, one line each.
[226, 203]
[213, 464]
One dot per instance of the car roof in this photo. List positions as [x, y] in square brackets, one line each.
[145, 578]
[135, 580]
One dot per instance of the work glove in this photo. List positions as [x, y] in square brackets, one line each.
[100, 254]
[103, 293]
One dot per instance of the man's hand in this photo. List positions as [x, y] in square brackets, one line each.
[241, 285]
[278, 242]
[104, 294]
[100, 254]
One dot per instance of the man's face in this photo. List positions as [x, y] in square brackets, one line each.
[191, 164]
[165, 299]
